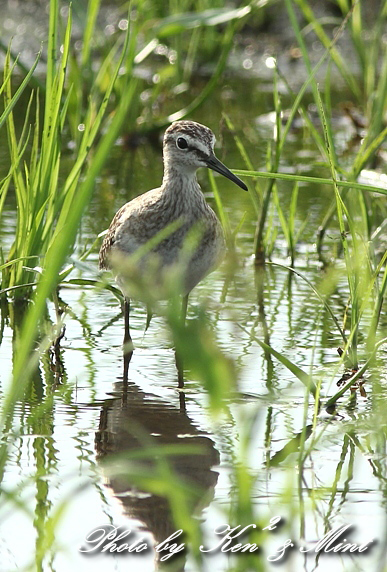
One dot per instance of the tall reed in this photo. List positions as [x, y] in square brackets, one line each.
[49, 210]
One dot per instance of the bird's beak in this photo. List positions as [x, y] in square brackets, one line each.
[216, 165]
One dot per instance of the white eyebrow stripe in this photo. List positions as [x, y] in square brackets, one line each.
[196, 144]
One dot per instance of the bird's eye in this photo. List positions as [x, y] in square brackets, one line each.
[182, 143]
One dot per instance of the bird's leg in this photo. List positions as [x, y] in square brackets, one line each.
[180, 371]
[128, 344]
[178, 360]
[125, 377]
[184, 306]
[128, 350]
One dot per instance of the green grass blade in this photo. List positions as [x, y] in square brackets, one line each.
[15, 98]
[91, 18]
[304, 377]
[312, 180]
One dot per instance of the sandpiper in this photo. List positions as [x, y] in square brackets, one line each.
[187, 145]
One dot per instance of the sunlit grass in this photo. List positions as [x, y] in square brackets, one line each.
[51, 200]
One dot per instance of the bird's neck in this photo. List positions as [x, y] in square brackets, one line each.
[181, 181]
[182, 192]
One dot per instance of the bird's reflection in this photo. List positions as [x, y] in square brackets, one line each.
[133, 419]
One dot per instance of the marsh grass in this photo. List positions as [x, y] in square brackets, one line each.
[49, 211]
[43, 201]
[351, 197]
[51, 202]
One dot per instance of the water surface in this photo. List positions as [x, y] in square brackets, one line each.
[91, 416]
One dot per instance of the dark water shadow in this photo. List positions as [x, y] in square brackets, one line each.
[132, 421]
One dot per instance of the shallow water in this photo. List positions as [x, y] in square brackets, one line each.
[90, 415]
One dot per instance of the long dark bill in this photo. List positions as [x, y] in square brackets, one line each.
[216, 165]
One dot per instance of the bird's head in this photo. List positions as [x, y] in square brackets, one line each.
[189, 145]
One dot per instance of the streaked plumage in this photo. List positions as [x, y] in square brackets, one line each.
[187, 146]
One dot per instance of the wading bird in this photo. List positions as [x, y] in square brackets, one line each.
[151, 232]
